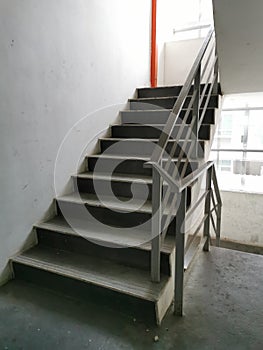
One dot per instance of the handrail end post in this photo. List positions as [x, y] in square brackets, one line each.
[156, 226]
[208, 209]
[179, 256]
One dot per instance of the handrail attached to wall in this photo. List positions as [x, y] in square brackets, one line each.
[175, 166]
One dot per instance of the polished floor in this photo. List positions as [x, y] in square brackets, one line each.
[223, 310]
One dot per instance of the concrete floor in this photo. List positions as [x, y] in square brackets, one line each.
[223, 310]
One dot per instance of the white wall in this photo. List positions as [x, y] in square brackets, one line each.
[242, 217]
[239, 26]
[179, 57]
[59, 61]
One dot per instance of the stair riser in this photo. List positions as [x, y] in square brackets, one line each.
[161, 117]
[89, 293]
[151, 132]
[129, 166]
[167, 103]
[127, 256]
[164, 91]
[74, 211]
[159, 92]
[141, 148]
[121, 189]
[118, 188]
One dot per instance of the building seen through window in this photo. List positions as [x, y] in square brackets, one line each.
[238, 144]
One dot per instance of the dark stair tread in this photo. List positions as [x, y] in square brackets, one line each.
[95, 271]
[107, 234]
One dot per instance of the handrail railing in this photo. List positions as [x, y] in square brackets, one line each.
[168, 129]
[173, 167]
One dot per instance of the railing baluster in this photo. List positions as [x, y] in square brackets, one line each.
[218, 226]
[163, 207]
[208, 208]
[215, 89]
[219, 206]
[179, 258]
[196, 109]
[156, 225]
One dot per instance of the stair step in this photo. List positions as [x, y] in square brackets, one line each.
[122, 185]
[95, 279]
[154, 131]
[137, 239]
[145, 147]
[128, 165]
[163, 91]
[167, 102]
[161, 116]
[130, 247]
[109, 210]
[118, 204]
[88, 269]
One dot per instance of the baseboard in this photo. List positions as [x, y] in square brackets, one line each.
[240, 246]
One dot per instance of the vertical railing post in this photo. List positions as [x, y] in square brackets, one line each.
[156, 225]
[218, 225]
[216, 71]
[179, 257]
[208, 208]
[196, 110]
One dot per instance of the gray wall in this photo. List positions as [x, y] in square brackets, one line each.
[59, 61]
[238, 26]
[243, 217]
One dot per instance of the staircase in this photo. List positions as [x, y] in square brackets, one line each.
[100, 242]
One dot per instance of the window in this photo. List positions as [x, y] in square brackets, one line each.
[238, 145]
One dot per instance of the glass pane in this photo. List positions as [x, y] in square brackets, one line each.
[243, 100]
[239, 171]
[231, 132]
[253, 178]
[229, 175]
[255, 130]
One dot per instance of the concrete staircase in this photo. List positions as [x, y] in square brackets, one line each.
[107, 253]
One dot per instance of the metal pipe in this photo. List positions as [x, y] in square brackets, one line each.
[154, 50]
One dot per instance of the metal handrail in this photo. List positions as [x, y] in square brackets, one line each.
[166, 169]
[173, 117]
[179, 186]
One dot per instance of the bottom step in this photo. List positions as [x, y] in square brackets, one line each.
[89, 275]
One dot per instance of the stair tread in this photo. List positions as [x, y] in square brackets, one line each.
[129, 157]
[153, 125]
[104, 233]
[96, 271]
[120, 204]
[161, 109]
[115, 177]
[140, 139]
[140, 99]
